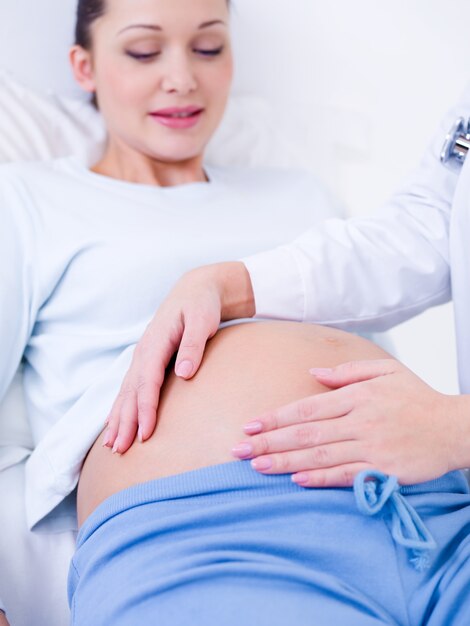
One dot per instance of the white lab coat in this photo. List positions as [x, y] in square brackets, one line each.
[372, 273]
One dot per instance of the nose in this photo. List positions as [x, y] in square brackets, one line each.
[179, 75]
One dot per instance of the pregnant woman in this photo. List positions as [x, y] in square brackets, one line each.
[174, 533]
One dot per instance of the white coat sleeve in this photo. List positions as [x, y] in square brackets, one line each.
[17, 270]
[368, 273]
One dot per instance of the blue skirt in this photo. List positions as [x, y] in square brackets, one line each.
[224, 546]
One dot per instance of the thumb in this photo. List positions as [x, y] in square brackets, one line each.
[354, 372]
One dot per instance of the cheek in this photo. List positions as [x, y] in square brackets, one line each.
[123, 85]
[221, 82]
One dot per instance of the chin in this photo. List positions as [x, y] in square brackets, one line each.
[176, 156]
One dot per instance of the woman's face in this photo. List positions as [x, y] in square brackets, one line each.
[162, 71]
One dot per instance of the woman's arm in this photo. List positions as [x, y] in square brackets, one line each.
[186, 320]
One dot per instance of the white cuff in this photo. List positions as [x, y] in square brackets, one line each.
[277, 284]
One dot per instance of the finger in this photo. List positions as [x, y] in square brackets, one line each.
[297, 437]
[196, 333]
[322, 406]
[354, 372]
[341, 476]
[149, 363]
[112, 422]
[128, 424]
[147, 394]
[320, 457]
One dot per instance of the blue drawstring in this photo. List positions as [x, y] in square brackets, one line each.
[374, 491]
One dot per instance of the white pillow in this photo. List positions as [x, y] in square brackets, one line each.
[36, 126]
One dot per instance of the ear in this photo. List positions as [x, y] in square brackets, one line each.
[82, 68]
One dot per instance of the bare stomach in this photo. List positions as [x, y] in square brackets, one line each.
[247, 369]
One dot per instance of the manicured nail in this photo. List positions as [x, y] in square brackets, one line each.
[184, 369]
[321, 371]
[300, 479]
[140, 436]
[116, 446]
[107, 438]
[243, 450]
[253, 428]
[261, 464]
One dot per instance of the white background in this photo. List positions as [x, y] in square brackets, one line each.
[358, 86]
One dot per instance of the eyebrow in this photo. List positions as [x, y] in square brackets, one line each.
[159, 28]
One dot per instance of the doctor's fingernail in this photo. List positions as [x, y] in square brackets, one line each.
[253, 428]
[107, 438]
[321, 371]
[300, 479]
[184, 369]
[242, 450]
[261, 464]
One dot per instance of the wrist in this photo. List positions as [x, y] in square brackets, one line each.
[235, 290]
[458, 415]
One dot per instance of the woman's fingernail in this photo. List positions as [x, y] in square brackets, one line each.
[253, 428]
[116, 446]
[261, 464]
[107, 439]
[321, 371]
[184, 369]
[106, 422]
[242, 450]
[300, 479]
[139, 435]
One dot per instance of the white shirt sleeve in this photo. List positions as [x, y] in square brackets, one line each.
[17, 301]
[368, 273]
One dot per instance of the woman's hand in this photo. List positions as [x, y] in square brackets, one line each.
[189, 316]
[379, 415]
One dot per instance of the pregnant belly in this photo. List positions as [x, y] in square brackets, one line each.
[247, 369]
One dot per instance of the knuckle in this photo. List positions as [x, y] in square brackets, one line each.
[281, 463]
[189, 343]
[141, 383]
[347, 477]
[270, 421]
[305, 436]
[305, 409]
[320, 456]
[146, 408]
[261, 445]
[126, 390]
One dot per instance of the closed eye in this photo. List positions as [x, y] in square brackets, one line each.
[139, 56]
[209, 53]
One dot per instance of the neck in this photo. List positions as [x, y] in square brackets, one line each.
[129, 165]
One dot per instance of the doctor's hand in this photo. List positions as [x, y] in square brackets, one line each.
[378, 415]
[189, 316]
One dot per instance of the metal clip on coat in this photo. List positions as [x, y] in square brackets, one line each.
[457, 144]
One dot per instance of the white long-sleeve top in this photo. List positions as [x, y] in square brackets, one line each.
[372, 273]
[85, 261]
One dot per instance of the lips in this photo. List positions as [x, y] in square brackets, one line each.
[178, 117]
